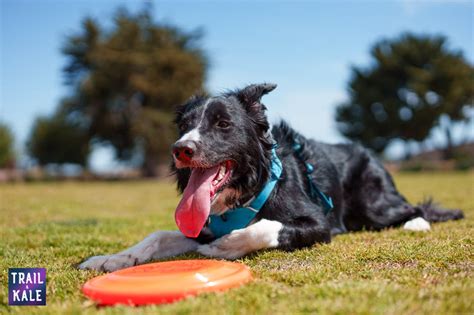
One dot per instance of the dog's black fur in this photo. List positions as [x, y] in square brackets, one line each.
[363, 192]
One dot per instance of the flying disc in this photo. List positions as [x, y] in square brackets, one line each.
[165, 282]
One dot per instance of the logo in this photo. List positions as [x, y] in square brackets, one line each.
[26, 286]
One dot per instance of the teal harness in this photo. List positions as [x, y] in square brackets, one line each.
[241, 217]
[313, 189]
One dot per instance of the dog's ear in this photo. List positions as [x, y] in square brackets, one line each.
[251, 95]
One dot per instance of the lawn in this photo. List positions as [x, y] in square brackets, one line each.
[55, 225]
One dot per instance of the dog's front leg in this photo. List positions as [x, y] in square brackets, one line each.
[157, 245]
[261, 235]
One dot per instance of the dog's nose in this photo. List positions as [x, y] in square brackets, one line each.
[184, 150]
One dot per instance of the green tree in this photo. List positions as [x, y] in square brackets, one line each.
[127, 80]
[58, 140]
[411, 82]
[7, 155]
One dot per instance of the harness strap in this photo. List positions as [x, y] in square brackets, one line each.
[315, 192]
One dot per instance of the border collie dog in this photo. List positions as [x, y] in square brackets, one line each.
[248, 187]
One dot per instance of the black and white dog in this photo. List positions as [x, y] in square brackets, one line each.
[224, 159]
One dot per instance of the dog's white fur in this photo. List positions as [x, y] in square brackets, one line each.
[418, 224]
[261, 235]
[194, 134]
[162, 244]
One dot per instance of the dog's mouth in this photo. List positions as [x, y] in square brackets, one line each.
[203, 187]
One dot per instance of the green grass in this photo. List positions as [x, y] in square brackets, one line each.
[55, 225]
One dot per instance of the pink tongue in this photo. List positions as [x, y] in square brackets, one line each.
[193, 209]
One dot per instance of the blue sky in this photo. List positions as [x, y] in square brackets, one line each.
[306, 47]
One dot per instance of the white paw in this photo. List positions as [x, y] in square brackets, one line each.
[417, 224]
[261, 235]
[230, 246]
[108, 262]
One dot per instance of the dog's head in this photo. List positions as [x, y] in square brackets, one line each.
[223, 153]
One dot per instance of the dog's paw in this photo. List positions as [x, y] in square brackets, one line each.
[215, 251]
[230, 246]
[108, 262]
[418, 224]
[261, 235]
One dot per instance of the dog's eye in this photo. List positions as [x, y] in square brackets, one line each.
[183, 127]
[223, 124]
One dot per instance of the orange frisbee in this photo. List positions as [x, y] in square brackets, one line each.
[165, 282]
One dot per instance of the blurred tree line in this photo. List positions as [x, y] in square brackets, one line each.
[7, 154]
[126, 80]
[412, 82]
[125, 83]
